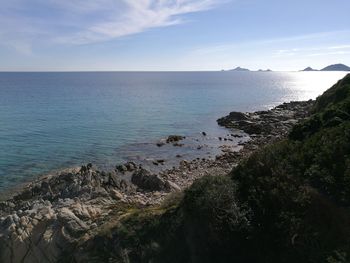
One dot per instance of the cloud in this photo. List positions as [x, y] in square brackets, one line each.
[139, 16]
[315, 51]
[339, 53]
[89, 21]
[281, 41]
[340, 47]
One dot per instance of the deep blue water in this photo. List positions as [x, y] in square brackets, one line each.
[51, 121]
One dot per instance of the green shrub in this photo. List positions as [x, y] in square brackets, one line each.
[215, 224]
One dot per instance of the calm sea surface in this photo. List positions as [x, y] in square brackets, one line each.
[50, 121]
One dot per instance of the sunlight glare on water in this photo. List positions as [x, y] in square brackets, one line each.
[309, 85]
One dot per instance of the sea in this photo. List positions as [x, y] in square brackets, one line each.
[55, 120]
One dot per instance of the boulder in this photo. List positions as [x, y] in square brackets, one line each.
[147, 181]
[172, 186]
[160, 144]
[116, 194]
[174, 138]
[130, 166]
[121, 168]
[74, 225]
[25, 195]
[157, 162]
[127, 167]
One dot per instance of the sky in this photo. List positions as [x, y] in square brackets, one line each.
[157, 35]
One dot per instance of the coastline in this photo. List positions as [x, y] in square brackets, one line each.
[73, 205]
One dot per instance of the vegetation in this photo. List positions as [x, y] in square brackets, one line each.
[288, 202]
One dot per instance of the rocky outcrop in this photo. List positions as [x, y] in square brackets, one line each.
[51, 215]
[277, 121]
[174, 138]
[147, 181]
[127, 167]
[48, 219]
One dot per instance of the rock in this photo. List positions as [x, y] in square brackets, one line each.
[121, 168]
[83, 169]
[204, 133]
[68, 177]
[89, 166]
[184, 163]
[116, 194]
[234, 116]
[147, 181]
[174, 138]
[160, 144]
[25, 195]
[73, 224]
[159, 161]
[130, 166]
[15, 218]
[278, 120]
[172, 185]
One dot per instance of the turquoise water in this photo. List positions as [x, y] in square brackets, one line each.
[50, 121]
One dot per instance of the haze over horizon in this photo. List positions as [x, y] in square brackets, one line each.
[150, 35]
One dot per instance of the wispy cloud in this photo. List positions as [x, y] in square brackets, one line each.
[344, 52]
[313, 37]
[137, 17]
[90, 21]
[340, 47]
[314, 51]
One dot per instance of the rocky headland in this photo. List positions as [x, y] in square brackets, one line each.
[52, 218]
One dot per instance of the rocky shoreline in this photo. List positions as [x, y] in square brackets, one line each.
[53, 215]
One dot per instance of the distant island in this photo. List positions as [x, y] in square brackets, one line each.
[245, 69]
[309, 69]
[262, 70]
[239, 69]
[335, 67]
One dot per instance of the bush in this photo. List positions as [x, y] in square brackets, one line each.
[214, 222]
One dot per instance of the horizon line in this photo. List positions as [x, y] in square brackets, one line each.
[150, 71]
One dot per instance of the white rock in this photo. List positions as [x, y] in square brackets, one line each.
[116, 194]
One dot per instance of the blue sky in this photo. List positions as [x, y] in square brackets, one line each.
[65, 35]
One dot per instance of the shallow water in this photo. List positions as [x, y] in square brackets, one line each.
[50, 121]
